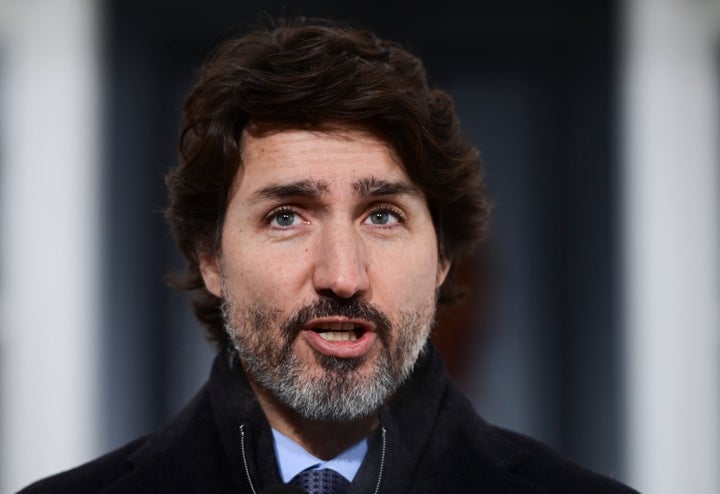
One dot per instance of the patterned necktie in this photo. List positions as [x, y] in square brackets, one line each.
[321, 481]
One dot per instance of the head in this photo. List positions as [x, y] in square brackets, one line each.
[375, 140]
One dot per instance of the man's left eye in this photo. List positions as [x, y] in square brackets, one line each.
[383, 217]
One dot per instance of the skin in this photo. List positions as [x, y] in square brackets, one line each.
[339, 235]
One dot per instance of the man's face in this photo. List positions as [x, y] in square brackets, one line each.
[328, 270]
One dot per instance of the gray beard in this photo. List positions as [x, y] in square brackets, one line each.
[342, 393]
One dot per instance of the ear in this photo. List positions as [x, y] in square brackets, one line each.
[443, 270]
[211, 273]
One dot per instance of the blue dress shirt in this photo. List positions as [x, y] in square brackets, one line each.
[293, 459]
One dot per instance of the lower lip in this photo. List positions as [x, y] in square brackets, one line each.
[341, 349]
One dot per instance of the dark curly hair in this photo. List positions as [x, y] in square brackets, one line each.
[316, 74]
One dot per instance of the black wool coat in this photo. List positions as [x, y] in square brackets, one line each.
[430, 441]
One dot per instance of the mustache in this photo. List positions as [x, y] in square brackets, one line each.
[353, 308]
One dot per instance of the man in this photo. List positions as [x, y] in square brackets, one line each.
[323, 195]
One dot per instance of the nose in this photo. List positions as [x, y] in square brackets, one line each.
[341, 263]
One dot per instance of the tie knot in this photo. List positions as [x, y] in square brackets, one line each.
[321, 481]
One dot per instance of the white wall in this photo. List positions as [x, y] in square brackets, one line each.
[672, 245]
[49, 171]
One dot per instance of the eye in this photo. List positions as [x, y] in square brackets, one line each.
[384, 216]
[283, 218]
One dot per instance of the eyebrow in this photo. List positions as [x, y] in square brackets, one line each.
[314, 189]
[373, 187]
[302, 188]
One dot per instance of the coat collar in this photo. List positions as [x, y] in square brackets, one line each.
[244, 431]
[234, 419]
[414, 418]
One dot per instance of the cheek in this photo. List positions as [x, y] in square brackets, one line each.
[421, 284]
[408, 278]
[269, 277]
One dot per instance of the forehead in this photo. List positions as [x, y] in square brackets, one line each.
[334, 155]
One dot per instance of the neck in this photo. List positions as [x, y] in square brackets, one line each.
[322, 439]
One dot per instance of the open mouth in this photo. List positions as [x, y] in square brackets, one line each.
[339, 331]
[341, 337]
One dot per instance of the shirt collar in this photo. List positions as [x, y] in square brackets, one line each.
[293, 459]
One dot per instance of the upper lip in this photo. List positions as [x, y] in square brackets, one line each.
[339, 324]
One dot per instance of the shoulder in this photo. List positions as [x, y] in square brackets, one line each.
[511, 457]
[148, 462]
[90, 477]
[538, 464]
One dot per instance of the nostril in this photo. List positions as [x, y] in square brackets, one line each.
[335, 293]
[340, 267]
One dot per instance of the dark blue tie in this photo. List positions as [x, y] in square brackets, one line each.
[321, 481]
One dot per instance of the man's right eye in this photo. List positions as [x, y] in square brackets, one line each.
[283, 219]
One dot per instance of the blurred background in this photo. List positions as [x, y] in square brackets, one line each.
[594, 322]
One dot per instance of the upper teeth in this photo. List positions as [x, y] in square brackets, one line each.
[335, 326]
[338, 335]
[337, 331]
